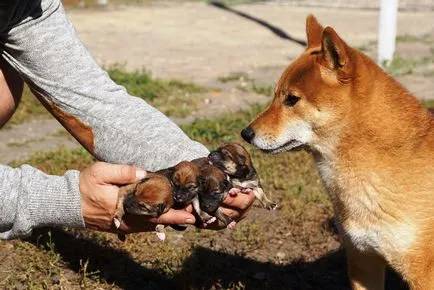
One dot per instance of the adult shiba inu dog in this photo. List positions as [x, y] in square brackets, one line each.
[373, 144]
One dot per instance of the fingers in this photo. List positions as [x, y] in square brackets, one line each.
[241, 201]
[116, 173]
[174, 216]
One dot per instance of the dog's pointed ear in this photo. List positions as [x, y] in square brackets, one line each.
[334, 50]
[313, 31]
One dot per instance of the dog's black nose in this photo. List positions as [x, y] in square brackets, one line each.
[248, 134]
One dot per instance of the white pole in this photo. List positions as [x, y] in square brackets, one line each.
[387, 31]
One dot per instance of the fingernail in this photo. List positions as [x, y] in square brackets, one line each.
[140, 174]
[189, 221]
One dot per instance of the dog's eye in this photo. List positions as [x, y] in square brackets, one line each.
[291, 100]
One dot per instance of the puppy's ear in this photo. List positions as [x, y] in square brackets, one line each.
[144, 180]
[226, 153]
[201, 180]
[313, 31]
[169, 172]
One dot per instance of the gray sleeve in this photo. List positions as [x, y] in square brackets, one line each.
[114, 126]
[30, 198]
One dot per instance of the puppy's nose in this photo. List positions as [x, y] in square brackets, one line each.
[248, 134]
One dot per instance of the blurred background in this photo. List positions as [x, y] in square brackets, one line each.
[210, 66]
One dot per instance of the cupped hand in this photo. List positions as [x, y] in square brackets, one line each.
[236, 205]
[99, 188]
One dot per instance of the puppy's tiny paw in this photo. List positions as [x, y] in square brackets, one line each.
[272, 206]
[232, 225]
[117, 222]
[159, 228]
[234, 191]
[246, 190]
[161, 235]
[211, 220]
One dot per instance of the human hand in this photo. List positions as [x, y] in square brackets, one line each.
[99, 187]
[236, 205]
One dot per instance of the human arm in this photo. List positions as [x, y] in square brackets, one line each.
[113, 126]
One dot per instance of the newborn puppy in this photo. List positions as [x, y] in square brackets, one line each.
[235, 161]
[186, 183]
[152, 196]
[214, 190]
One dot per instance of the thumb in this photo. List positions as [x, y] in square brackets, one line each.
[117, 173]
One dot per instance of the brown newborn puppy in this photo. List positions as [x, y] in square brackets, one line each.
[215, 187]
[186, 183]
[152, 196]
[235, 161]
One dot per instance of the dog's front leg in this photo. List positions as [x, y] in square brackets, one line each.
[365, 270]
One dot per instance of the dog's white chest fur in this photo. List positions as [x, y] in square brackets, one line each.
[361, 216]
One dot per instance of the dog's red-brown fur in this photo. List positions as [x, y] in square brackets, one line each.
[373, 143]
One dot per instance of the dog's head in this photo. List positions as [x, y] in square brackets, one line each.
[152, 196]
[215, 188]
[311, 97]
[234, 160]
[186, 180]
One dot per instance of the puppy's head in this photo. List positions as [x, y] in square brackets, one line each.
[312, 98]
[186, 180]
[214, 190]
[153, 196]
[234, 160]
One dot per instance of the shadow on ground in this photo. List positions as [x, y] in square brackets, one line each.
[204, 269]
[276, 30]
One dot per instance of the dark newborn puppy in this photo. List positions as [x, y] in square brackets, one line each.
[186, 183]
[214, 189]
[235, 161]
[152, 196]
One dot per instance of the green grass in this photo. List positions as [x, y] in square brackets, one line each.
[172, 97]
[428, 103]
[408, 38]
[29, 108]
[247, 83]
[58, 161]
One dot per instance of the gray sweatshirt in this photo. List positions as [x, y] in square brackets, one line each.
[41, 44]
